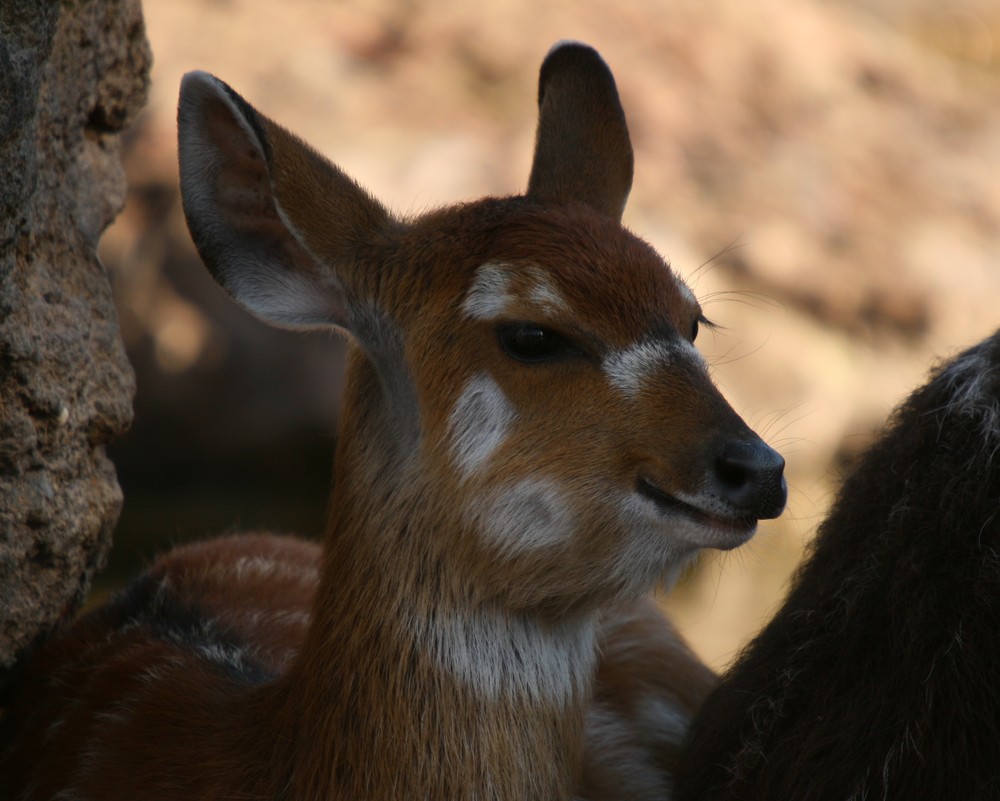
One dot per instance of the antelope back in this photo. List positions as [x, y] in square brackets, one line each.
[524, 390]
[877, 677]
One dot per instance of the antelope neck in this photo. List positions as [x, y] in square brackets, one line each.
[408, 688]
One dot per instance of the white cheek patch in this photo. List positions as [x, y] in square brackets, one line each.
[532, 515]
[479, 423]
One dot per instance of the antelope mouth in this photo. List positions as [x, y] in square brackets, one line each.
[731, 530]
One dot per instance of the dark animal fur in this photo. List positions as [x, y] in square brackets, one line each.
[879, 678]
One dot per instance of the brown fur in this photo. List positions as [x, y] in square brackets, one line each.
[443, 643]
[648, 688]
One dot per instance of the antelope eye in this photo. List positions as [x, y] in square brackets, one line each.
[699, 321]
[532, 344]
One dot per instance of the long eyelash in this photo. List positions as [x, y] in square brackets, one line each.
[703, 320]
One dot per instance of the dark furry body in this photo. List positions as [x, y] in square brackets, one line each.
[879, 678]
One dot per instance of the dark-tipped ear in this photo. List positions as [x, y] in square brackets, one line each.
[582, 147]
[278, 226]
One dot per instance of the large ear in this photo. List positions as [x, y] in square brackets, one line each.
[582, 147]
[278, 226]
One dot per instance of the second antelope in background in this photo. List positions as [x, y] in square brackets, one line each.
[529, 442]
[879, 676]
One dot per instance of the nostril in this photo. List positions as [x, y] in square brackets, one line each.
[751, 476]
[734, 469]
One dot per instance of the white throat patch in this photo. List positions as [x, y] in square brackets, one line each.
[515, 656]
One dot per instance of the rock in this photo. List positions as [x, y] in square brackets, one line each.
[72, 77]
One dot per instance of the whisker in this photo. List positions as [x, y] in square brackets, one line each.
[726, 358]
[712, 261]
[772, 418]
[746, 297]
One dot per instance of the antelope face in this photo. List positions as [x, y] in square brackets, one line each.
[535, 361]
[582, 436]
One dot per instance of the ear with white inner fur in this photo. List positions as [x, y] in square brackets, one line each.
[278, 226]
[582, 146]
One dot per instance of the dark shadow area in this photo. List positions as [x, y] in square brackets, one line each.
[234, 420]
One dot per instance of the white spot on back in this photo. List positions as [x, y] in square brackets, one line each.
[479, 422]
[255, 617]
[254, 567]
[529, 516]
[228, 656]
[69, 794]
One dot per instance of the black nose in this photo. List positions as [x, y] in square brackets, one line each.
[750, 475]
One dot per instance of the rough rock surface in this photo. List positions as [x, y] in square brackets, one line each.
[72, 77]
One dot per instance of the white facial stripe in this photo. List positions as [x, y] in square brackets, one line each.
[530, 516]
[479, 422]
[489, 294]
[500, 656]
[629, 369]
[542, 293]
[492, 292]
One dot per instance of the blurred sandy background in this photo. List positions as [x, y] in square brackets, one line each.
[825, 175]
